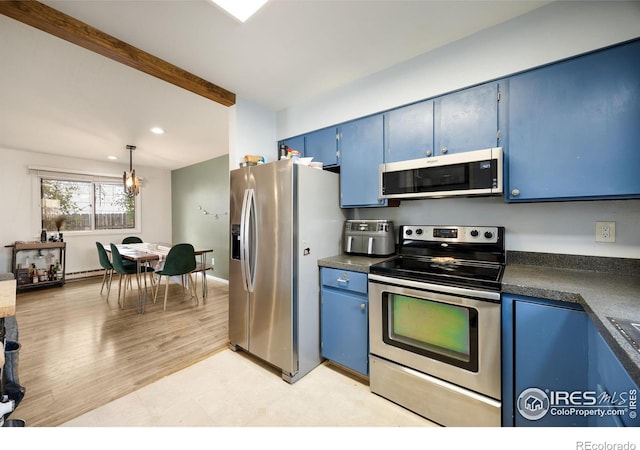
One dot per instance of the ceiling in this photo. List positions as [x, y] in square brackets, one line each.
[61, 99]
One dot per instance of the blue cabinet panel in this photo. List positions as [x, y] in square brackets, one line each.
[344, 279]
[550, 356]
[409, 132]
[345, 329]
[467, 120]
[612, 384]
[322, 145]
[574, 129]
[558, 371]
[361, 153]
[294, 143]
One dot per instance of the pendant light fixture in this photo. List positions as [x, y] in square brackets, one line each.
[129, 179]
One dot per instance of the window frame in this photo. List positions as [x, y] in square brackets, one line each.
[39, 173]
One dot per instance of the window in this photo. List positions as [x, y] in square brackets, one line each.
[85, 203]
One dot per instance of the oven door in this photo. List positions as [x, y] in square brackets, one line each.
[446, 332]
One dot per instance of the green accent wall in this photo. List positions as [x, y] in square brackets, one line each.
[203, 185]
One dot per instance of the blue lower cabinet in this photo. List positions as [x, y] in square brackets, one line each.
[345, 319]
[550, 364]
[558, 371]
[614, 390]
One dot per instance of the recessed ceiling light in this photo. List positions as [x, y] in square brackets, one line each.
[112, 157]
[240, 9]
[157, 130]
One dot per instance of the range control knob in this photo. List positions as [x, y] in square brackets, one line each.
[488, 234]
[474, 233]
[419, 231]
[408, 232]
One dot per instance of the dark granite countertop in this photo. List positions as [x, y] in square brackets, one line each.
[601, 291]
[594, 283]
[351, 262]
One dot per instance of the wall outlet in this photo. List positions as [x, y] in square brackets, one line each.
[605, 231]
[213, 261]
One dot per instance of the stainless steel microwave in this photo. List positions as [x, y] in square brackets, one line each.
[477, 172]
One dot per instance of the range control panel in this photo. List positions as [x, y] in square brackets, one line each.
[462, 234]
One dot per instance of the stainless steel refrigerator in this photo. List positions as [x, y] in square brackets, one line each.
[283, 217]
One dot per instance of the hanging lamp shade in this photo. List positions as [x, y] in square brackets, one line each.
[129, 179]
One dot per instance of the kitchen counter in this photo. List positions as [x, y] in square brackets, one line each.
[592, 282]
[351, 262]
[601, 291]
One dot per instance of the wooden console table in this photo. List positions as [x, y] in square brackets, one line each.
[38, 253]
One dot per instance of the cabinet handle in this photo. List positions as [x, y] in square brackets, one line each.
[363, 306]
[428, 152]
[515, 192]
[342, 280]
[444, 150]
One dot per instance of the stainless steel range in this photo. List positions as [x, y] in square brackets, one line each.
[434, 323]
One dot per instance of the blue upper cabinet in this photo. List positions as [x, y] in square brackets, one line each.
[294, 143]
[361, 146]
[409, 132]
[466, 120]
[322, 145]
[574, 128]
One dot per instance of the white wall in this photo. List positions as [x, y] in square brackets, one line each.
[553, 32]
[252, 131]
[556, 31]
[21, 223]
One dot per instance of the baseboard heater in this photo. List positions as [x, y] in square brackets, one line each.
[83, 274]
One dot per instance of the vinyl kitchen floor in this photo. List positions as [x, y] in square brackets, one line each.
[231, 389]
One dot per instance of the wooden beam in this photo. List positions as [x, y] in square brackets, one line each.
[54, 22]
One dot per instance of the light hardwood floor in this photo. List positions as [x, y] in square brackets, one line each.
[79, 352]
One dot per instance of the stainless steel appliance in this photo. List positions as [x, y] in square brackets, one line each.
[460, 174]
[284, 216]
[369, 237]
[434, 324]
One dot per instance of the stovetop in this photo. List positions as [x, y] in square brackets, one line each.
[452, 255]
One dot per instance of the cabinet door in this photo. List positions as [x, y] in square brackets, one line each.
[614, 387]
[322, 145]
[467, 120]
[345, 329]
[550, 345]
[361, 153]
[294, 143]
[409, 132]
[573, 128]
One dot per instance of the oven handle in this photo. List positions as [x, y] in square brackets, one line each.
[466, 292]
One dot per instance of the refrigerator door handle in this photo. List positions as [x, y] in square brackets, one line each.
[244, 232]
[251, 240]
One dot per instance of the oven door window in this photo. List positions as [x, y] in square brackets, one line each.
[441, 331]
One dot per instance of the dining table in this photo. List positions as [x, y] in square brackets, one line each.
[146, 253]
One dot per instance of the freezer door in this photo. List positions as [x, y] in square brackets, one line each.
[271, 317]
[238, 295]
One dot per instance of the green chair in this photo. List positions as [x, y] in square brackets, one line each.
[181, 260]
[125, 270]
[132, 240]
[105, 263]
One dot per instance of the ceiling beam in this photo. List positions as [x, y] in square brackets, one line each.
[54, 22]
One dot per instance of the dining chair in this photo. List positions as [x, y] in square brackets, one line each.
[132, 240]
[181, 260]
[105, 263]
[125, 270]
